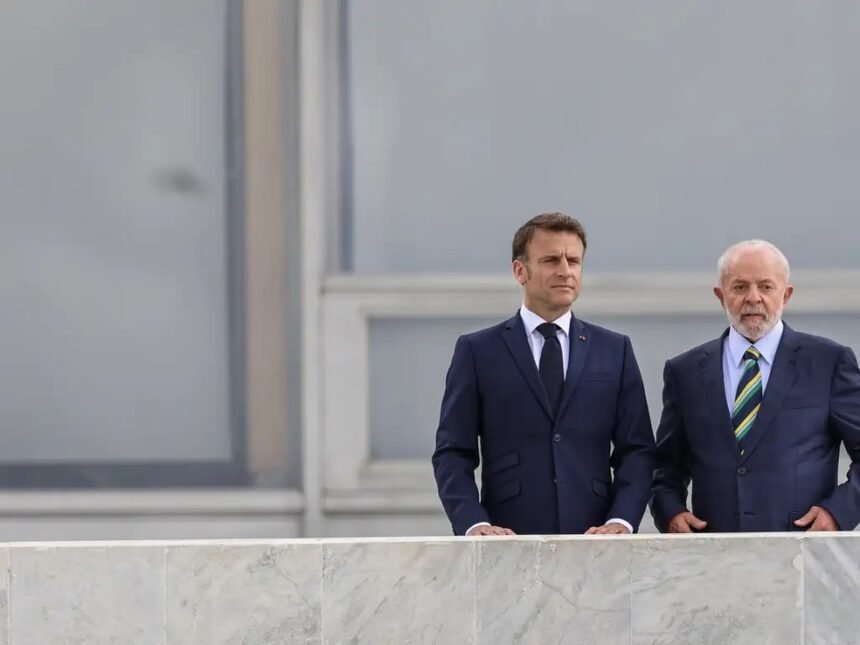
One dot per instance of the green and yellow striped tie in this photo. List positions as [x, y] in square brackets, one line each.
[748, 397]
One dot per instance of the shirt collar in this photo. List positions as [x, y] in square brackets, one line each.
[531, 320]
[766, 345]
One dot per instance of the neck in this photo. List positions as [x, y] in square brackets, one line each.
[549, 314]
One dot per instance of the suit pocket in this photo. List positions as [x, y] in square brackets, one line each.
[501, 463]
[600, 488]
[502, 492]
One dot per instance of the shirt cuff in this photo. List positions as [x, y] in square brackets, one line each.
[484, 524]
[624, 523]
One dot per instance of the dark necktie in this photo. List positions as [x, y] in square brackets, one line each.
[748, 397]
[551, 365]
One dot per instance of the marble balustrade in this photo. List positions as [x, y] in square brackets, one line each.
[778, 588]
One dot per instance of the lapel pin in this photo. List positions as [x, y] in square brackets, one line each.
[582, 338]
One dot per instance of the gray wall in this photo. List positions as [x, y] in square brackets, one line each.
[671, 128]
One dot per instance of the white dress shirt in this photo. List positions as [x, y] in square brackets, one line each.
[733, 357]
[531, 321]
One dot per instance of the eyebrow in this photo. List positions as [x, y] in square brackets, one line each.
[558, 255]
[736, 281]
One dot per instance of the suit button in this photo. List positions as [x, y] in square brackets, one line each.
[742, 471]
[556, 437]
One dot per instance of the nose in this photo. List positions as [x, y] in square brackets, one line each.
[753, 295]
[565, 268]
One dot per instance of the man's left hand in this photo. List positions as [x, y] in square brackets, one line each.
[608, 529]
[817, 519]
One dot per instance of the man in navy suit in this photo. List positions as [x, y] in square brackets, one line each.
[755, 418]
[555, 405]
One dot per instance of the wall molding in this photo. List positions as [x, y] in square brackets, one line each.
[623, 293]
[210, 502]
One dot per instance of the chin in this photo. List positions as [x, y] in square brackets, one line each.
[756, 332]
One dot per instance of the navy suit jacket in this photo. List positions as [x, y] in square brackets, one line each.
[810, 405]
[540, 473]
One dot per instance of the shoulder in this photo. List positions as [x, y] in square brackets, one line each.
[481, 337]
[811, 340]
[601, 334]
[692, 357]
[820, 345]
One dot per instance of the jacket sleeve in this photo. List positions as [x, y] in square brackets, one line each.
[456, 455]
[672, 471]
[632, 457]
[844, 503]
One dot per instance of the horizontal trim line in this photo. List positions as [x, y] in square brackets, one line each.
[217, 501]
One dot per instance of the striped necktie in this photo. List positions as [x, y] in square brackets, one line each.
[748, 397]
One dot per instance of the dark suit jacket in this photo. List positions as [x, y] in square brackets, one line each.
[810, 404]
[543, 474]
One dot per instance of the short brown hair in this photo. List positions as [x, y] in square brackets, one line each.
[556, 222]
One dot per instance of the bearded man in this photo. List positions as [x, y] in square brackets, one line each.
[755, 418]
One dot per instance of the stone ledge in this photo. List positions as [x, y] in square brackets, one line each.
[752, 588]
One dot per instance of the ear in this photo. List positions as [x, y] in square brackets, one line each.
[519, 270]
[718, 292]
[789, 290]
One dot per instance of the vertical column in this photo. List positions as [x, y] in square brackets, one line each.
[319, 196]
[265, 239]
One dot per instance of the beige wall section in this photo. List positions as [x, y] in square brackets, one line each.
[265, 238]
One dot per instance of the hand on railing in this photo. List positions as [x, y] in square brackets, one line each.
[486, 529]
[686, 522]
[817, 519]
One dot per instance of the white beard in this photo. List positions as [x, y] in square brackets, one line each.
[757, 330]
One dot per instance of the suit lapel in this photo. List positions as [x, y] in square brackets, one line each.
[711, 370]
[514, 334]
[783, 373]
[577, 353]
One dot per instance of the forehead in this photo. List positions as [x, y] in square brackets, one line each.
[565, 242]
[755, 264]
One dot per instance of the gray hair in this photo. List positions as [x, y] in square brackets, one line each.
[729, 253]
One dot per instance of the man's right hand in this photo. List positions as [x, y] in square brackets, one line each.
[686, 522]
[486, 529]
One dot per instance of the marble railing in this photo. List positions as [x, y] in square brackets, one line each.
[777, 588]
